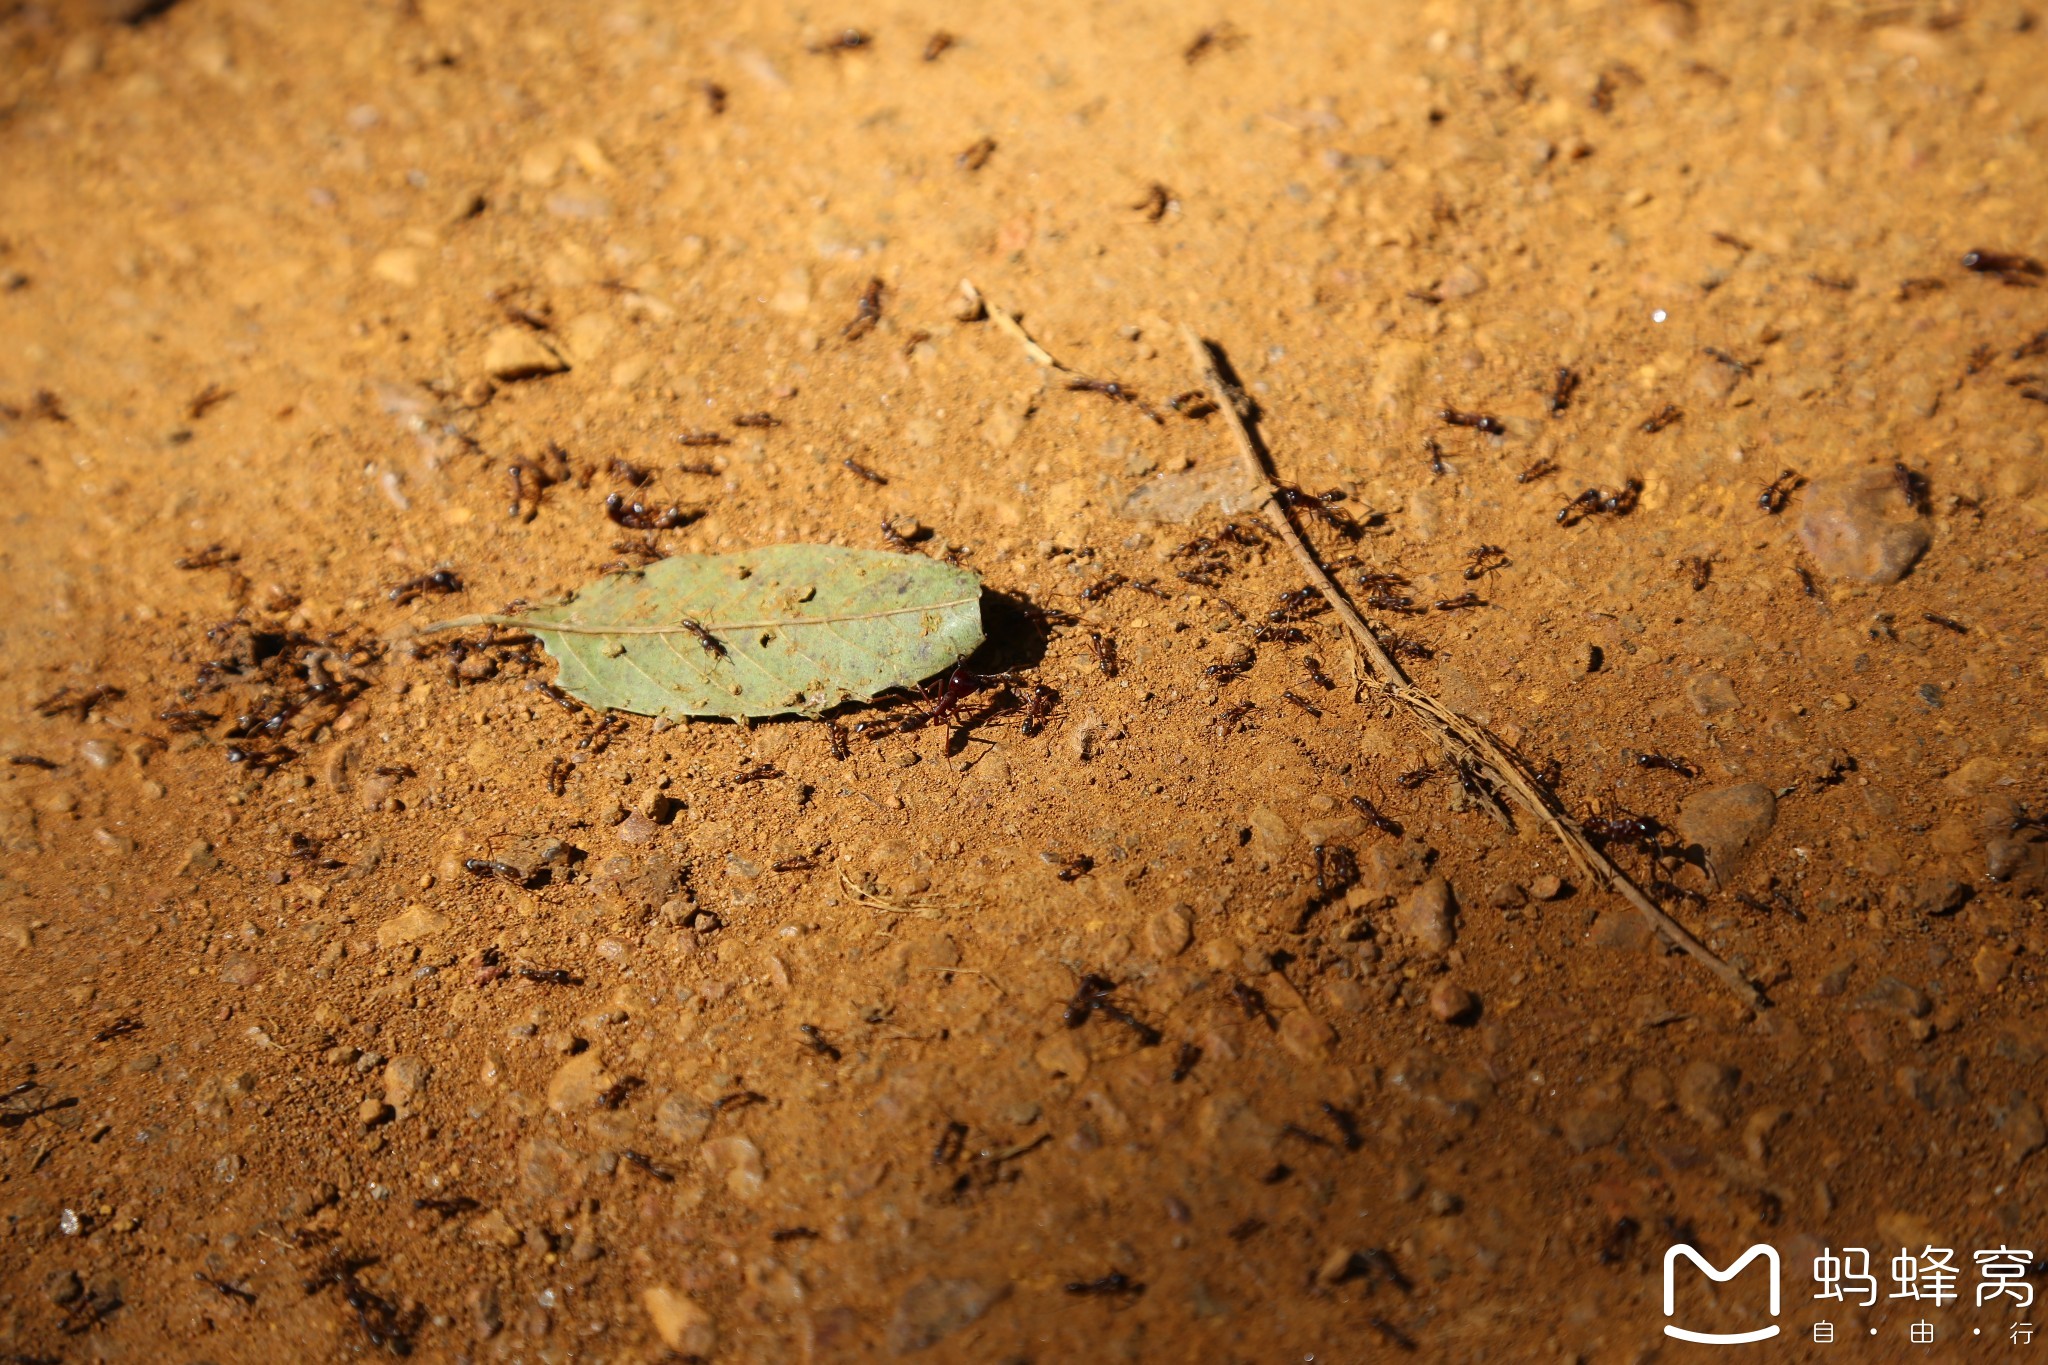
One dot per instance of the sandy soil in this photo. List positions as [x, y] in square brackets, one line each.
[781, 1069]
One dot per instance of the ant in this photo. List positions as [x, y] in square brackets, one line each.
[1232, 720]
[447, 1208]
[1807, 584]
[1221, 37]
[1321, 505]
[756, 772]
[601, 735]
[630, 474]
[1301, 602]
[976, 156]
[1103, 587]
[698, 439]
[1841, 284]
[1415, 777]
[1775, 494]
[1912, 485]
[14, 1118]
[1562, 388]
[1074, 868]
[1113, 1284]
[1115, 392]
[1387, 601]
[212, 557]
[1252, 1001]
[862, 471]
[505, 872]
[560, 770]
[550, 976]
[1195, 404]
[761, 420]
[77, 704]
[1699, 567]
[1662, 418]
[951, 1145]
[440, 583]
[1540, 469]
[1742, 367]
[1307, 706]
[709, 471]
[817, 1043]
[868, 311]
[937, 44]
[1406, 647]
[1312, 669]
[1233, 668]
[1667, 764]
[835, 738]
[638, 517]
[1945, 622]
[31, 761]
[2009, 267]
[1103, 647]
[959, 685]
[377, 1316]
[647, 1164]
[1478, 421]
[799, 864]
[846, 40]
[185, 722]
[224, 1289]
[1593, 502]
[1459, 603]
[1150, 587]
[1336, 868]
[795, 1234]
[1623, 828]
[615, 1095]
[1184, 1062]
[1278, 635]
[1435, 451]
[1092, 997]
[1037, 707]
[1483, 560]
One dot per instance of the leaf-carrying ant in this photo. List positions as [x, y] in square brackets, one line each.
[1666, 763]
[1484, 559]
[1775, 494]
[1700, 568]
[439, 583]
[639, 517]
[1662, 418]
[1477, 421]
[1593, 502]
[1562, 388]
[867, 312]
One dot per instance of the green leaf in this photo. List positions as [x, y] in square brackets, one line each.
[786, 630]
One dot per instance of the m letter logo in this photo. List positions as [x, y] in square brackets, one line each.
[1769, 1253]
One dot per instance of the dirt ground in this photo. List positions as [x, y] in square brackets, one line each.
[793, 1068]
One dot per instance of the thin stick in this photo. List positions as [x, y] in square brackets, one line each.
[1462, 738]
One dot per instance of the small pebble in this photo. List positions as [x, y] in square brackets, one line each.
[1452, 1004]
[1546, 887]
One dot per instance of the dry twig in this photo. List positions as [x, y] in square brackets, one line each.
[1464, 740]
